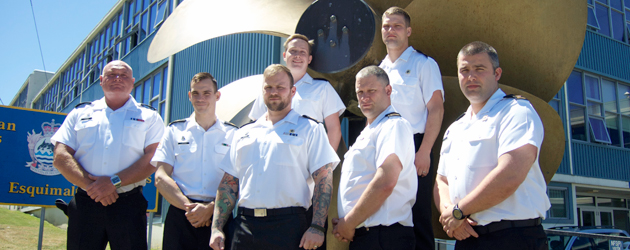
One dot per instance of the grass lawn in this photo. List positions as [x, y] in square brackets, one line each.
[20, 231]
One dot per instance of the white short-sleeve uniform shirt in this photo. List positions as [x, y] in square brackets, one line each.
[471, 149]
[414, 77]
[108, 141]
[385, 136]
[314, 98]
[195, 154]
[275, 163]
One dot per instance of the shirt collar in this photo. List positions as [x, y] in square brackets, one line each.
[192, 123]
[305, 79]
[291, 117]
[382, 115]
[404, 56]
[101, 104]
[493, 100]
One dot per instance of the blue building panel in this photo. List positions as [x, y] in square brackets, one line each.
[605, 162]
[565, 165]
[606, 56]
[227, 58]
[137, 59]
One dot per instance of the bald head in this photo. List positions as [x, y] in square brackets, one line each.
[116, 64]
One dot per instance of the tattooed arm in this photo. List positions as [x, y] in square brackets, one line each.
[224, 204]
[377, 191]
[321, 199]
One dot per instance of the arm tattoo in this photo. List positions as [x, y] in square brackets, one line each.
[322, 193]
[227, 194]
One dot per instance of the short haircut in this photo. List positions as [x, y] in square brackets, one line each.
[274, 69]
[373, 70]
[478, 47]
[203, 76]
[395, 10]
[301, 37]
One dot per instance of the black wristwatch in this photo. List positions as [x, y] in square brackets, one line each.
[116, 181]
[458, 213]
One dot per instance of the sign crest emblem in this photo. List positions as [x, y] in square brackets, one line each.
[41, 149]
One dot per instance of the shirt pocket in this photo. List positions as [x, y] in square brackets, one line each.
[482, 151]
[221, 148]
[287, 152]
[358, 154]
[404, 89]
[87, 131]
[184, 156]
[134, 133]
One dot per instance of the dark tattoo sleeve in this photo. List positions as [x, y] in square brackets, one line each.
[322, 193]
[225, 201]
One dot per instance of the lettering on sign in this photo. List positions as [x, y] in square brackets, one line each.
[16, 188]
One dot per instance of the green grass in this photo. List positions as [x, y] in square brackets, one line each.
[20, 231]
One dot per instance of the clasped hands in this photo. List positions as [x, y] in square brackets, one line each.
[458, 229]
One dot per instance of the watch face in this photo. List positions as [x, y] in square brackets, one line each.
[458, 214]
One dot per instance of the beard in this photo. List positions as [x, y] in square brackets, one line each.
[278, 106]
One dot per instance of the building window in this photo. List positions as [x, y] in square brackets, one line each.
[611, 19]
[600, 105]
[143, 18]
[152, 90]
[559, 198]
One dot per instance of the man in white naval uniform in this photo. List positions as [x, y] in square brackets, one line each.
[315, 98]
[418, 95]
[188, 172]
[104, 147]
[489, 184]
[274, 168]
[378, 180]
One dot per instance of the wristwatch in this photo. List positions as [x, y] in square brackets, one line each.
[458, 213]
[116, 181]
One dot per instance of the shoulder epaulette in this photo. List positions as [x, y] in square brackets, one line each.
[392, 114]
[230, 124]
[460, 116]
[81, 104]
[321, 79]
[176, 121]
[417, 50]
[513, 96]
[250, 122]
[147, 106]
[311, 118]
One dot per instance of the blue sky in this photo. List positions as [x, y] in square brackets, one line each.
[62, 25]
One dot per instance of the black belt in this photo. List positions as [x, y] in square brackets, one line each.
[264, 212]
[505, 224]
[362, 230]
[120, 195]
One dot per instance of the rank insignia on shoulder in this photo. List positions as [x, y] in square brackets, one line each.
[392, 114]
[230, 124]
[247, 124]
[311, 118]
[513, 96]
[146, 106]
[81, 104]
[176, 121]
[445, 135]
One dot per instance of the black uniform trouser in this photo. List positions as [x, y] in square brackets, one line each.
[421, 210]
[271, 232]
[123, 224]
[179, 234]
[519, 238]
[394, 237]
